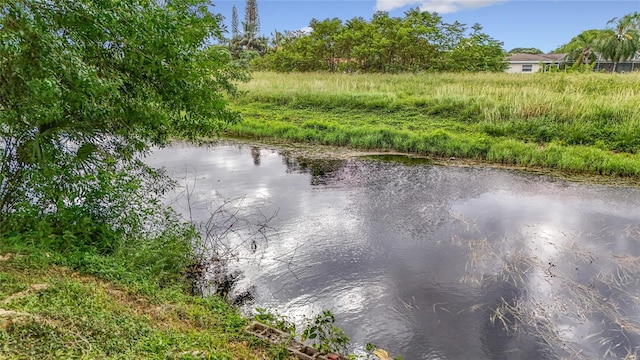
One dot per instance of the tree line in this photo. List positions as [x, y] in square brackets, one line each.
[418, 41]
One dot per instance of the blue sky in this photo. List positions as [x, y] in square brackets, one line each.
[544, 24]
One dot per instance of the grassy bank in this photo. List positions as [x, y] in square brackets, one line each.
[84, 305]
[577, 123]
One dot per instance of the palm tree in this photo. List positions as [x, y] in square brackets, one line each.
[250, 39]
[234, 22]
[235, 46]
[621, 42]
[634, 18]
[581, 48]
[277, 40]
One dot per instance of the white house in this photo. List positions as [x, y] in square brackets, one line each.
[532, 63]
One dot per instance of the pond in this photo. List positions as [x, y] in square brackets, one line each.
[426, 261]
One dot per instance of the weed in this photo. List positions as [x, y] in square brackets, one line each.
[276, 320]
[326, 337]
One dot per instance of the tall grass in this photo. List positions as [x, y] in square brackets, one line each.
[573, 122]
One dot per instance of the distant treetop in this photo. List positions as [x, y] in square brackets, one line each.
[522, 50]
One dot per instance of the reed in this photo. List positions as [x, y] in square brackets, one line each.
[554, 302]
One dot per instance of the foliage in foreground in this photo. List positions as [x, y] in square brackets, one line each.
[50, 311]
[86, 88]
[577, 123]
[322, 333]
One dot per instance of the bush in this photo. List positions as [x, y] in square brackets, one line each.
[87, 88]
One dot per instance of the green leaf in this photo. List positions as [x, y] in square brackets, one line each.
[85, 151]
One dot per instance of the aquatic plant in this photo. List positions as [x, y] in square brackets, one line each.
[578, 301]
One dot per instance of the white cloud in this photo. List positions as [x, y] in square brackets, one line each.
[388, 5]
[439, 6]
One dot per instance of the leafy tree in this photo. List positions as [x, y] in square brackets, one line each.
[294, 54]
[477, 52]
[350, 35]
[361, 39]
[323, 42]
[418, 41]
[425, 39]
[86, 88]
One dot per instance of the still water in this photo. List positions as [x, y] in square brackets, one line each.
[425, 261]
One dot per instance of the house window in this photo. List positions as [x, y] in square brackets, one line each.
[527, 68]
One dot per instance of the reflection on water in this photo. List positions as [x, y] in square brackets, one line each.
[434, 262]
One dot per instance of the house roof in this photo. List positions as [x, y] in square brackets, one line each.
[536, 57]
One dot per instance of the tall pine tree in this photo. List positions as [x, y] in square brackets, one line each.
[234, 22]
[251, 19]
[251, 28]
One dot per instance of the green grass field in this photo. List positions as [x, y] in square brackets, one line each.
[576, 123]
[84, 305]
